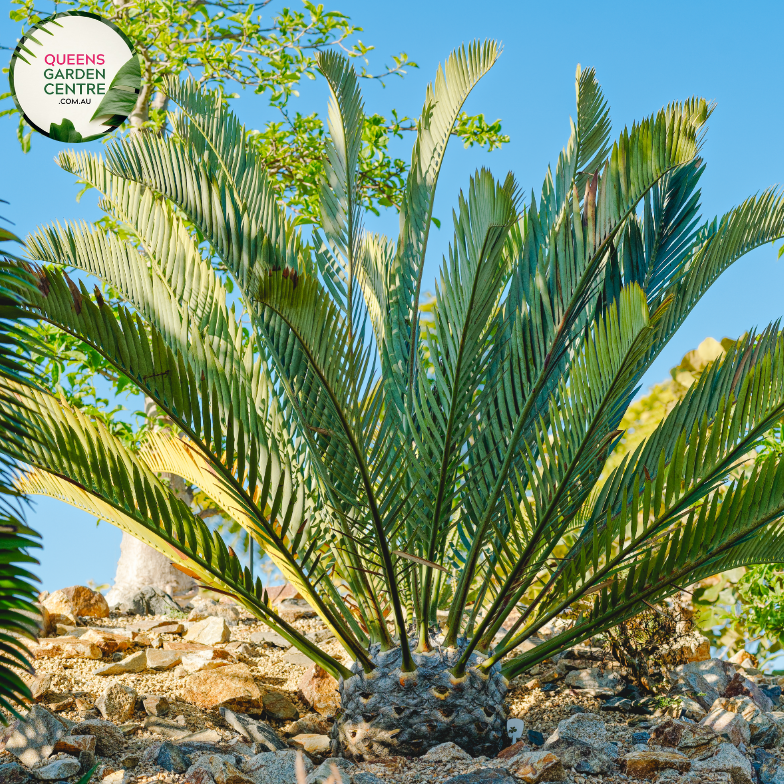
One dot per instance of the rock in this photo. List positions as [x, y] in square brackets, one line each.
[162, 659]
[172, 758]
[199, 774]
[33, 740]
[640, 737]
[276, 767]
[319, 691]
[293, 656]
[148, 601]
[136, 662]
[55, 770]
[256, 731]
[66, 648]
[107, 642]
[692, 709]
[231, 687]
[535, 738]
[743, 657]
[223, 770]
[692, 647]
[209, 631]
[586, 727]
[363, 777]
[484, 776]
[733, 725]
[291, 610]
[108, 739]
[279, 707]
[159, 625]
[773, 693]
[446, 752]
[311, 722]
[739, 686]
[14, 773]
[76, 601]
[692, 740]
[329, 767]
[704, 681]
[536, 766]
[596, 682]
[39, 685]
[728, 760]
[155, 705]
[117, 777]
[129, 761]
[765, 730]
[201, 660]
[315, 745]
[202, 737]
[75, 744]
[647, 764]
[268, 637]
[770, 771]
[230, 613]
[117, 703]
[166, 728]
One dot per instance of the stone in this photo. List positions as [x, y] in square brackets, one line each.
[34, 739]
[291, 610]
[268, 637]
[740, 686]
[727, 759]
[276, 767]
[692, 709]
[704, 681]
[209, 631]
[57, 769]
[199, 774]
[117, 702]
[172, 758]
[647, 764]
[231, 687]
[117, 777]
[771, 771]
[223, 771]
[773, 693]
[201, 660]
[107, 642]
[74, 744]
[586, 727]
[343, 767]
[129, 761]
[66, 648]
[692, 647]
[14, 773]
[155, 705]
[310, 722]
[78, 600]
[596, 682]
[230, 613]
[202, 737]
[733, 725]
[693, 740]
[39, 685]
[363, 777]
[293, 656]
[147, 601]
[640, 737]
[315, 745]
[446, 752]
[319, 691]
[765, 730]
[536, 766]
[136, 662]
[162, 659]
[108, 739]
[159, 625]
[535, 738]
[253, 730]
[166, 728]
[484, 776]
[279, 707]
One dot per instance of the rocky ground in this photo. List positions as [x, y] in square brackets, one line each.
[200, 693]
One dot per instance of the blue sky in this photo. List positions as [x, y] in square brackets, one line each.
[646, 55]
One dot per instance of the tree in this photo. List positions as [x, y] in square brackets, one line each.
[232, 45]
[391, 471]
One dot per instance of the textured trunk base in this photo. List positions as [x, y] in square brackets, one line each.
[389, 712]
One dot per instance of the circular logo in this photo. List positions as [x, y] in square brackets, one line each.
[75, 77]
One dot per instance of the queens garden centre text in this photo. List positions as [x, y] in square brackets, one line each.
[74, 81]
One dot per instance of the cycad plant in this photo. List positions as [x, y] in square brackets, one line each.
[392, 466]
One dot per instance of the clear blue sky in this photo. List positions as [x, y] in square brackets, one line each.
[646, 54]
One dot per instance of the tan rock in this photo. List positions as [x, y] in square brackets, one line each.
[724, 722]
[291, 610]
[156, 705]
[180, 645]
[202, 660]
[74, 744]
[744, 658]
[692, 740]
[278, 706]
[39, 685]
[536, 766]
[116, 703]
[209, 631]
[66, 648]
[76, 601]
[648, 764]
[691, 647]
[232, 687]
[319, 691]
[318, 745]
[107, 642]
[136, 662]
[162, 659]
[223, 771]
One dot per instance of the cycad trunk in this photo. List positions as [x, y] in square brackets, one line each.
[389, 712]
